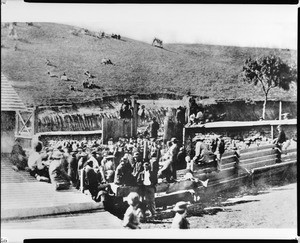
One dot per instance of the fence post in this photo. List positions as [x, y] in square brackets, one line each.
[34, 121]
[272, 132]
[17, 123]
[81, 180]
[280, 109]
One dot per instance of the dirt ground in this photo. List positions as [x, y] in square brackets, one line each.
[272, 207]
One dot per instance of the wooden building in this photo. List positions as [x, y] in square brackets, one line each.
[12, 116]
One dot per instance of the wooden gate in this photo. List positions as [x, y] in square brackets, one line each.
[116, 128]
[25, 126]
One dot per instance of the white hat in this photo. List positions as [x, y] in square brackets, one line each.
[180, 206]
[56, 154]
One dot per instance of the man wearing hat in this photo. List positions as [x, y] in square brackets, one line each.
[146, 181]
[180, 221]
[137, 164]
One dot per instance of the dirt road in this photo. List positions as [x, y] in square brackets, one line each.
[274, 207]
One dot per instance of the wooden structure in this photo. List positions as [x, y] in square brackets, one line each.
[228, 127]
[13, 122]
[238, 168]
[24, 122]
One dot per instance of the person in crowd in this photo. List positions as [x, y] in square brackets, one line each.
[108, 166]
[18, 156]
[72, 165]
[95, 183]
[142, 114]
[180, 221]
[147, 181]
[174, 150]
[186, 103]
[181, 162]
[36, 166]
[58, 175]
[281, 138]
[123, 173]
[154, 127]
[137, 164]
[180, 115]
[133, 213]
[203, 155]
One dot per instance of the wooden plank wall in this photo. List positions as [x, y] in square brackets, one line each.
[116, 128]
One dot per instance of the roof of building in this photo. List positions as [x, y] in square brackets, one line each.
[10, 100]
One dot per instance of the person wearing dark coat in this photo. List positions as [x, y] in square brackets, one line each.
[154, 126]
[18, 156]
[281, 138]
[58, 176]
[123, 174]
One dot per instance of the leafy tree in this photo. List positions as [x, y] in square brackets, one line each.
[268, 72]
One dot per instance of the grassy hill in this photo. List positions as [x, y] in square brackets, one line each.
[139, 68]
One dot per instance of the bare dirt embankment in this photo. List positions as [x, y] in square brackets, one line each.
[274, 207]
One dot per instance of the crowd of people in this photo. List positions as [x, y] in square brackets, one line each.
[141, 162]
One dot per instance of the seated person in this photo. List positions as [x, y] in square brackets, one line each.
[58, 175]
[108, 166]
[203, 155]
[95, 183]
[37, 168]
[18, 156]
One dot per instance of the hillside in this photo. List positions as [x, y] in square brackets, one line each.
[139, 68]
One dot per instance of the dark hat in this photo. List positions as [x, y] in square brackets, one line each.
[198, 138]
[174, 140]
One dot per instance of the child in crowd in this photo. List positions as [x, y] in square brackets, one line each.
[180, 221]
[133, 213]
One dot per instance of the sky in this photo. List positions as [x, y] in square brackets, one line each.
[273, 26]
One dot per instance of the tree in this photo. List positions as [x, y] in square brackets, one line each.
[269, 72]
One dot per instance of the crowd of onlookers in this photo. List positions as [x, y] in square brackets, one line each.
[139, 162]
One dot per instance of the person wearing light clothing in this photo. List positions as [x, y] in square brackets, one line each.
[133, 213]
[180, 221]
[146, 181]
[36, 167]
